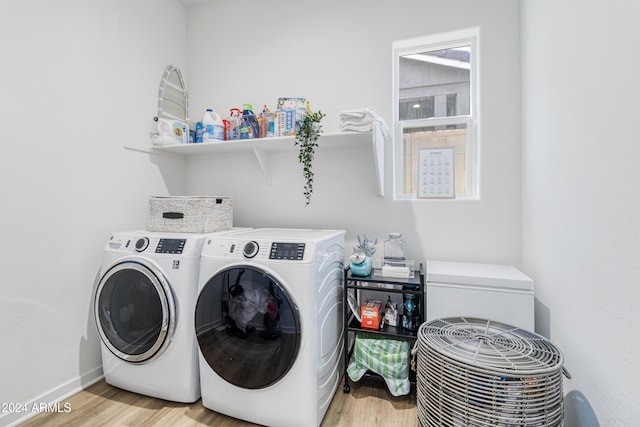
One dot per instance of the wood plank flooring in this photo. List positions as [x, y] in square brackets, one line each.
[369, 404]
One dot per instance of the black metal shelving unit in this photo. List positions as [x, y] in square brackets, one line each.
[374, 283]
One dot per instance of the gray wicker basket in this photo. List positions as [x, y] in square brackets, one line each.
[190, 214]
[477, 372]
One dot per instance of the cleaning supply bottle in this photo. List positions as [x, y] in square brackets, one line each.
[390, 313]
[233, 128]
[218, 127]
[213, 126]
[249, 124]
[267, 122]
[199, 133]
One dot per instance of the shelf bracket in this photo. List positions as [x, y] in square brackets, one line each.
[264, 160]
[378, 157]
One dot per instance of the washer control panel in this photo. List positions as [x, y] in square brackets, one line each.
[288, 251]
[143, 243]
[170, 246]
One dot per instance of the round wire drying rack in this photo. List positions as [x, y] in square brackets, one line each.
[477, 372]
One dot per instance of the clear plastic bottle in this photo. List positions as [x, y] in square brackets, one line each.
[267, 122]
[234, 119]
[394, 249]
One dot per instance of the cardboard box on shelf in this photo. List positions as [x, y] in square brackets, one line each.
[372, 315]
[299, 105]
[284, 122]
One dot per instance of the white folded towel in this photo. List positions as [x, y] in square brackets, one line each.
[357, 113]
[362, 120]
[358, 126]
[395, 271]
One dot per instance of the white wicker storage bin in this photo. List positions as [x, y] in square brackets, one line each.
[190, 214]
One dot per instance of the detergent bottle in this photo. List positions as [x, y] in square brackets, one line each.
[249, 123]
[213, 126]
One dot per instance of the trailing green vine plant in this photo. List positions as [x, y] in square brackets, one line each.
[306, 138]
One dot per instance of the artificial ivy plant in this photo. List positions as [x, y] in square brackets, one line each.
[306, 139]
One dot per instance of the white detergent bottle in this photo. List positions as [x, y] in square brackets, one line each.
[213, 126]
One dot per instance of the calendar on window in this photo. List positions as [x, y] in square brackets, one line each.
[436, 173]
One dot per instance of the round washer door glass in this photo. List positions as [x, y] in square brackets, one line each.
[134, 311]
[248, 327]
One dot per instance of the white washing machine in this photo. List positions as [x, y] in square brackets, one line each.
[144, 307]
[486, 291]
[269, 324]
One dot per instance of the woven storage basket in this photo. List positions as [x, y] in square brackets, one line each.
[190, 214]
[477, 372]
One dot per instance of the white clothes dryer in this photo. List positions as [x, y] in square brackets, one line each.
[269, 324]
[144, 305]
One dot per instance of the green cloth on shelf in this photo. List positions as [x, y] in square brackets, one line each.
[386, 357]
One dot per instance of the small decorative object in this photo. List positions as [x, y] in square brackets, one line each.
[361, 258]
[394, 250]
[306, 138]
[410, 319]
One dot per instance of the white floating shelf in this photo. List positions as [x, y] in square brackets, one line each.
[263, 147]
[266, 144]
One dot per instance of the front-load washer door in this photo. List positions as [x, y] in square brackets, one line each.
[248, 327]
[135, 311]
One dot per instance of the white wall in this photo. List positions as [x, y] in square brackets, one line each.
[67, 182]
[581, 206]
[338, 55]
[80, 80]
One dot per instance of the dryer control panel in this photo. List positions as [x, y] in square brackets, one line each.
[259, 249]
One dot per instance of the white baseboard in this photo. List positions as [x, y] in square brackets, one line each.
[51, 400]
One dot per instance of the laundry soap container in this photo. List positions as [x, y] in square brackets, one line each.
[213, 126]
[495, 292]
[249, 127]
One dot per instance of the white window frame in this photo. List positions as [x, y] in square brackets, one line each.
[470, 36]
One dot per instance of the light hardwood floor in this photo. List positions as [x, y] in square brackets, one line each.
[369, 404]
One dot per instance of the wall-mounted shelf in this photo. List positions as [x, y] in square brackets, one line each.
[263, 147]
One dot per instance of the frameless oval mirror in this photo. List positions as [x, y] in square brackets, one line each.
[172, 97]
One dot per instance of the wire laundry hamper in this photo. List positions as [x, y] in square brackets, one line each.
[476, 372]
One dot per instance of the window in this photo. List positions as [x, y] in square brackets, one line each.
[435, 106]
